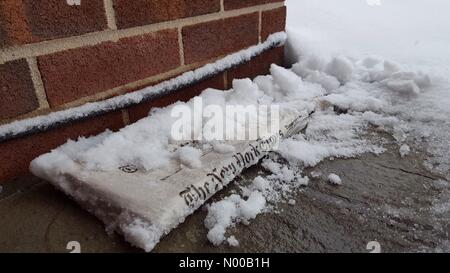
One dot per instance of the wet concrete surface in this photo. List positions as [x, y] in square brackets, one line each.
[388, 199]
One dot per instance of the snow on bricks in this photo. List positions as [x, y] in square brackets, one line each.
[57, 56]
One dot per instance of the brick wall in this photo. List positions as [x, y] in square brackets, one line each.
[56, 56]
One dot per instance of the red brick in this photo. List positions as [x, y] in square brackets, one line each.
[143, 12]
[17, 154]
[273, 21]
[260, 65]
[3, 36]
[140, 111]
[27, 21]
[237, 4]
[17, 94]
[81, 72]
[212, 39]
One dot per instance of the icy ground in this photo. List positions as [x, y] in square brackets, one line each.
[338, 47]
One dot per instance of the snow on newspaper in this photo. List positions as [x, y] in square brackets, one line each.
[142, 189]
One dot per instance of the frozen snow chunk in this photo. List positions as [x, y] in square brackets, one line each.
[229, 211]
[307, 153]
[292, 202]
[309, 65]
[302, 181]
[142, 235]
[221, 216]
[190, 157]
[266, 84]
[404, 150]
[371, 62]
[355, 99]
[409, 83]
[328, 82]
[391, 67]
[232, 241]
[315, 63]
[245, 92]
[254, 205]
[292, 86]
[287, 80]
[261, 184]
[422, 80]
[404, 87]
[334, 179]
[341, 68]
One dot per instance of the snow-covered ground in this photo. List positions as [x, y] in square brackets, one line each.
[413, 32]
[384, 65]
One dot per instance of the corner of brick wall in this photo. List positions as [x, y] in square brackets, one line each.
[54, 56]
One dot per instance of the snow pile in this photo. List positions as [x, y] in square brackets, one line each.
[223, 148]
[334, 179]
[329, 135]
[415, 92]
[190, 157]
[404, 150]
[230, 211]
[261, 196]
[353, 97]
[356, 92]
[149, 144]
[410, 105]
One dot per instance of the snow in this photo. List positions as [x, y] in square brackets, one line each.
[223, 148]
[338, 47]
[190, 156]
[341, 68]
[261, 196]
[232, 241]
[334, 179]
[230, 211]
[404, 150]
[338, 74]
[400, 65]
[411, 32]
[316, 174]
[118, 102]
[328, 135]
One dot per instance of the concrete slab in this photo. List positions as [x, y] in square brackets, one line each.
[383, 198]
